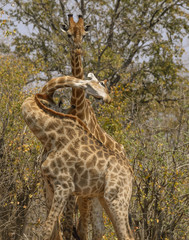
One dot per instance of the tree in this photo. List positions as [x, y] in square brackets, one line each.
[19, 174]
[149, 32]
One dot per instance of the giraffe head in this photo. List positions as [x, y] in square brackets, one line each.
[76, 31]
[97, 89]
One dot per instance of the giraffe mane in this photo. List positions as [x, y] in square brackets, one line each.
[39, 96]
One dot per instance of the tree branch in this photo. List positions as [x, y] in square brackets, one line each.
[63, 12]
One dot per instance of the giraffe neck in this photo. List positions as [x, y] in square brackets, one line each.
[78, 95]
[60, 82]
[45, 126]
[77, 71]
[76, 63]
[84, 110]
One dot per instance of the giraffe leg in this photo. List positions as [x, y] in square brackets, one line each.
[48, 192]
[68, 218]
[56, 233]
[60, 197]
[84, 205]
[58, 203]
[97, 220]
[117, 194]
[118, 214]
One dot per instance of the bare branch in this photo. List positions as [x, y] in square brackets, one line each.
[83, 11]
[63, 11]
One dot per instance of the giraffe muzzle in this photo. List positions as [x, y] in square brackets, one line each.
[107, 99]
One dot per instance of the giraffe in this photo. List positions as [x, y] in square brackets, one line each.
[77, 163]
[82, 106]
[93, 87]
[83, 110]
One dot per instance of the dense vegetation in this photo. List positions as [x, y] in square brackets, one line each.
[137, 45]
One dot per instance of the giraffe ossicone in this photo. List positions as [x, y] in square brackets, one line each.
[92, 76]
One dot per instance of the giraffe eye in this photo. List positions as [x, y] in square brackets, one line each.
[102, 84]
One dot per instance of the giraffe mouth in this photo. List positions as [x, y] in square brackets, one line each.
[97, 97]
[78, 50]
[106, 99]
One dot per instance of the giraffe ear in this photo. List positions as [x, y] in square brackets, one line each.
[105, 81]
[64, 28]
[92, 76]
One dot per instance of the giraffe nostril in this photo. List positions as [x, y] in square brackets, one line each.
[77, 46]
[77, 51]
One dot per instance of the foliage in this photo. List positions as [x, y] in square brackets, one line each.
[18, 150]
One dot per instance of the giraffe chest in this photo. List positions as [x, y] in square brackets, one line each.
[90, 183]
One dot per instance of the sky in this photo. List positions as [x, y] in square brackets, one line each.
[186, 54]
